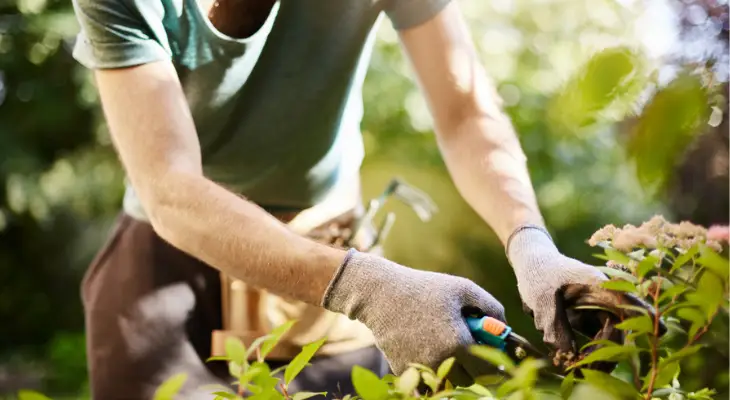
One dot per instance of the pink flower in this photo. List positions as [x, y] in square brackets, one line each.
[720, 233]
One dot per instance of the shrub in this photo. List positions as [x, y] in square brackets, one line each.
[680, 269]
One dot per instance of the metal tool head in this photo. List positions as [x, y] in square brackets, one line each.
[520, 344]
[418, 201]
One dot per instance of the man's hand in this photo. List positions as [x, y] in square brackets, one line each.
[552, 285]
[416, 316]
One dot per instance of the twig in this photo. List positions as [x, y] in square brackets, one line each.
[283, 390]
[703, 330]
[655, 340]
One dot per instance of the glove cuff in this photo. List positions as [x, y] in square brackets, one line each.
[336, 278]
[527, 238]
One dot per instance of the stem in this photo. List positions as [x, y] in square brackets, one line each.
[655, 340]
[283, 390]
[704, 329]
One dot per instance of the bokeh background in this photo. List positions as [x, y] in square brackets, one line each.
[621, 107]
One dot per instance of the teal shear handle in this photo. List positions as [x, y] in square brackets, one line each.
[489, 331]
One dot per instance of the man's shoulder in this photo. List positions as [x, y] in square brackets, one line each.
[130, 11]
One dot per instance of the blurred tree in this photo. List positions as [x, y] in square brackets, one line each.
[60, 182]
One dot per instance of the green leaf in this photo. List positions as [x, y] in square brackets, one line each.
[408, 381]
[307, 395]
[254, 371]
[596, 308]
[235, 369]
[617, 256]
[599, 342]
[170, 387]
[431, 380]
[218, 358]
[490, 380]
[664, 377]
[263, 380]
[480, 390]
[445, 367]
[610, 384]
[672, 292]
[611, 353]
[367, 384]
[704, 394]
[494, 356]
[225, 395]
[646, 265]
[616, 273]
[256, 345]
[278, 369]
[640, 324]
[602, 88]
[300, 361]
[684, 258]
[679, 355]
[709, 295]
[420, 367]
[31, 395]
[695, 317]
[644, 287]
[274, 337]
[674, 118]
[235, 350]
[267, 394]
[640, 310]
[566, 387]
[389, 378]
[714, 262]
[619, 286]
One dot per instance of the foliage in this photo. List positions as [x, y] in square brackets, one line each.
[61, 184]
[676, 267]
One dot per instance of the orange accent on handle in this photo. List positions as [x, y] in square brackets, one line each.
[493, 326]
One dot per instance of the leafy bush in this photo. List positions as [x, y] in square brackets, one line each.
[680, 269]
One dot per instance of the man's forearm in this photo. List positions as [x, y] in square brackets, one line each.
[239, 238]
[488, 166]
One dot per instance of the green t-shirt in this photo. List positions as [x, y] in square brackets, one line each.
[278, 113]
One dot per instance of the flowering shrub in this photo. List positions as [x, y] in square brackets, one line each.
[679, 269]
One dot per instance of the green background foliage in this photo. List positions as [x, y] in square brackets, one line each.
[618, 123]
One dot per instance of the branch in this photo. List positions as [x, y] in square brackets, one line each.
[655, 341]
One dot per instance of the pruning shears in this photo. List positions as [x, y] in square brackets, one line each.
[495, 333]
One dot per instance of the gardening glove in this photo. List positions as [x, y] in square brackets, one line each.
[415, 316]
[552, 285]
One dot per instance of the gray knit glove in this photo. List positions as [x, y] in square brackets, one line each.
[552, 286]
[415, 316]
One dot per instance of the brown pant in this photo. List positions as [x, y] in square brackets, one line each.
[150, 310]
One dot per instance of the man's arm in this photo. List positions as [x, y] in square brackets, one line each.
[478, 143]
[489, 168]
[154, 134]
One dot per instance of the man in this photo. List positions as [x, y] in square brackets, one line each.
[226, 113]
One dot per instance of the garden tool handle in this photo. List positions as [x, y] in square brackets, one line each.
[489, 331]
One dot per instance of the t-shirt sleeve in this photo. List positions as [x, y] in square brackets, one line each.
[404, 14]
[116, 34]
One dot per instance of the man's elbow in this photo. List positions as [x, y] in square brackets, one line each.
[165, 202]
[465, 111]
